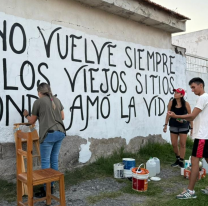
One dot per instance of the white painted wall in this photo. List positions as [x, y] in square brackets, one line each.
[196, 43]
[92, 25]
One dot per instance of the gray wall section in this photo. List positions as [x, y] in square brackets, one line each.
[69, 154]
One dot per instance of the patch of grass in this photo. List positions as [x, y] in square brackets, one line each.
[101, 196]
[103, 167]
[162, 151]
[7, 191]
[189, 143]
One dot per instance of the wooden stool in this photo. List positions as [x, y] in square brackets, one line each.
[37, 177]
[35, 139]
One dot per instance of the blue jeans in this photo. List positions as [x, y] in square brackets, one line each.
[49, 150]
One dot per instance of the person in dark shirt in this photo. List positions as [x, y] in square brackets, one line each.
[179, 128]
[48, 110]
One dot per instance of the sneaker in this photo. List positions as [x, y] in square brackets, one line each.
[181, 164]
[175, 164]
[186, 194]
[205, 191]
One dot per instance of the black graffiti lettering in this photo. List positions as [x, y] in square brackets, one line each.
[48, 45]
[146, 83]
[29, 96]
[171, 57]
[76, 107]
[85, 80]
[4, 36]
[123, 91]
[1, 108]
[131, 105]
[149, 106]
[122, 115]
[106, 78]
[33, 75]
[155, 107]
[161, 112]
[134, 58]
[159, 85]
[130, 65]
[101, 108]
[99, 53]
[167, 85]
[23, 36]
[141, 90]
[117, 81]
[86, 59]
[39, 70]
[92, 79]
[171, 90]
[6, 87]
[73, 45]
[165, 59]
[59, 47]
[72, 82]
[153, 82]
[110, 54]
[152, 56]
[9, 99]
[139, 52]
[89, 101]
[158, 60]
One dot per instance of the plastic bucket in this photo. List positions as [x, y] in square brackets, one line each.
[129, 163]
[205, 165]
[140, 179]
[118, 170]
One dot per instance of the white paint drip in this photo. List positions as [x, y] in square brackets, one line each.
[85, 153]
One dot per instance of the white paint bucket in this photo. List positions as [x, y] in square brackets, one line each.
[205, 165]
[182, 171]
[118, 170]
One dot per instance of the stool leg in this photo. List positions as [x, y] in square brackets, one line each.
[19, 192]
[48, 193]
[30, 195]
[37, 145]
[62, 191]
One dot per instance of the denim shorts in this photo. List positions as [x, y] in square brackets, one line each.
[179, 130]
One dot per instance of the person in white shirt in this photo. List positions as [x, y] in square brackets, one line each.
[200, 135]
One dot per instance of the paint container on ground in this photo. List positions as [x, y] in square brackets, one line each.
[151, 167]
[140, 179]
[118, 170]
[187, 163]
[157, 165]
[129, 163]
[205, 165]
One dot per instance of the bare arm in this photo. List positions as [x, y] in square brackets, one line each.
[188, 107]
[167, 117]
[189, 117]
[31, 119]
[62, 114]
